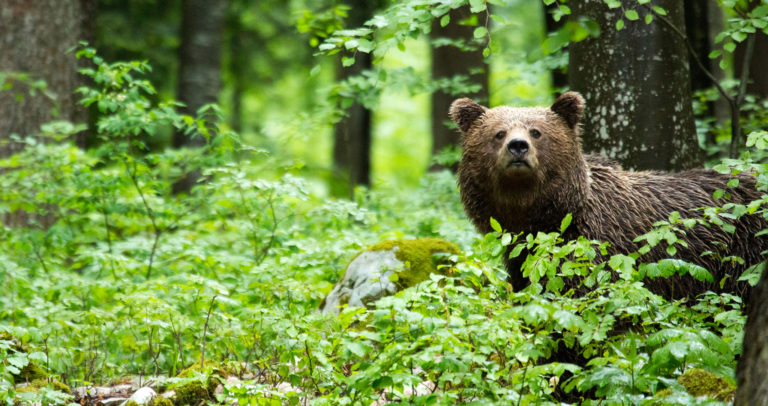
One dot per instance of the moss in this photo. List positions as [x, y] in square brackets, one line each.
[29, 373]
[420, 256]
[36, 384]
[160, 401]
[131, 403]
[662, 394]
[191, 393]
[699, 382]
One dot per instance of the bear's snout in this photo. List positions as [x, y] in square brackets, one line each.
[518, 147]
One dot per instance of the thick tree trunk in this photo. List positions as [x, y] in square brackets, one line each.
[752, 369]
[34, 38]
[637, 85]
[449, 61]
[352, 134]
[202, 24]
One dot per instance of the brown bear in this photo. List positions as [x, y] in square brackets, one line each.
[525, 168]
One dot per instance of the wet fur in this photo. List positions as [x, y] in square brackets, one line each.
[607, 203]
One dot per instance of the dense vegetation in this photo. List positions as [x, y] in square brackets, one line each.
[113, 275]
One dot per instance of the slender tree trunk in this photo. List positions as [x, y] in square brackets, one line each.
[88, 13]
[202, 24]
[637, 85]
[34, 38]
[352, 134]
[758, 79]
[559, 77]
[752, 369]
[703, 20]
[237, 67]
[448, 62]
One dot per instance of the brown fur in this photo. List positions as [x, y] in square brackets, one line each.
[607, 203]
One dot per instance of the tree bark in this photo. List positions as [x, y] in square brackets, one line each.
[202, 24]
[34, 38]
[752, 369]
[352, 134]
[637, 85]
[449, 61]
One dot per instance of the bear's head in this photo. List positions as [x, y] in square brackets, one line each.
[514, 149]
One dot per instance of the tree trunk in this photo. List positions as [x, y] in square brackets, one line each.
[238, 60]
[703, 20]
[449, 61]
[202, 24]
[559, 78]
[637, 85]
[352, 134]
[34, 38]
[752, 369]
[758, 80]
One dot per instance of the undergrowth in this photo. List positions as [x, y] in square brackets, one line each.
[112, 275]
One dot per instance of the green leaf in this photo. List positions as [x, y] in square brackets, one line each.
[648, 18]
[566, 222]
[506, 238]
[445, 20]
[631, 15]
[480, 32]
[619, 25]
[495, 225]
[477, 6]
[659, 10]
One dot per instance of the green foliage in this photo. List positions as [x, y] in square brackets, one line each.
[112, 275]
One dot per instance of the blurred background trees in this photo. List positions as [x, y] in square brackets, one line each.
[355, 93]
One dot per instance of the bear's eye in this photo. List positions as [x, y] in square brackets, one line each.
[501, 134]
[534, 133]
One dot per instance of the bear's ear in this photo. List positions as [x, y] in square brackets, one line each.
[464, 112]
[569, 106]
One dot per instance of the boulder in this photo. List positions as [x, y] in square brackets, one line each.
[386, 268]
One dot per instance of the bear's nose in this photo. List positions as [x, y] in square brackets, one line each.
[518, 147]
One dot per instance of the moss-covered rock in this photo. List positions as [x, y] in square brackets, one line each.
[388, 267]
[699, 382]
[193, 392]
[36, 384]
[30, 372]
[160, 401]
[421, 257]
